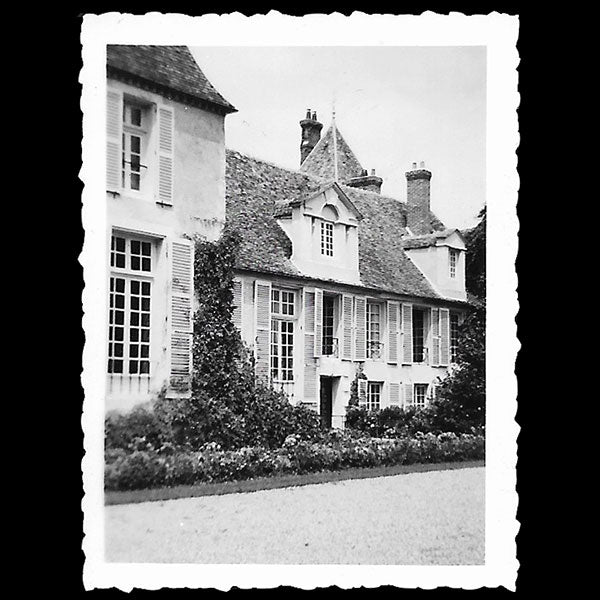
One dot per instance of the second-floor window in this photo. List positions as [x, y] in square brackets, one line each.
[453, 261]
[453, 336]
[329, 316]
[283, 311]
[135, 134]
[418, 319]
[373, 330]
[326, 238]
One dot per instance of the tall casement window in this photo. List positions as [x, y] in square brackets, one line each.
[134, 146]
[374, 345]
[453, 336]
[283, 314]
[420, 395]
[374, 395]
[330, 342]
[130, 295]
[452, 262]
[326, 238]
[419, 350]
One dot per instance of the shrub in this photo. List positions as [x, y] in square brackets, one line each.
[139, 429]
[142, 469]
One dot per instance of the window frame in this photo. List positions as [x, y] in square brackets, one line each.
[289, 319]
[129, 276]
[142, 131]
[424, 347]
[416, 396]
[372, 352]
[327, 238]
[374, 388]
[452, 262]
[454, 324]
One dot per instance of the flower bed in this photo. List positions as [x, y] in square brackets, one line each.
[169, 466]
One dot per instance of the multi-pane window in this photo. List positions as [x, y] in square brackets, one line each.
[453, 336]
[418, 335]
[373, 330]
[282, 335]
[453, 260]
[134, 141]
[374, 395]
[130, 294]
[329, 341]
[420, 395]
[326, 238]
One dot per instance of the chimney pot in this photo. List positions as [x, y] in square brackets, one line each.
[314, 115]
[308, 113]
[422, 165]
[372, 171]
[414, 165]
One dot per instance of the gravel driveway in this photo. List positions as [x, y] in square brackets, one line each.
[428, 518]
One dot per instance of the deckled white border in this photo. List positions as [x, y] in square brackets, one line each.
[499, 34]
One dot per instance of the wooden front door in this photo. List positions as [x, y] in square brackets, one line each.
[326, 401]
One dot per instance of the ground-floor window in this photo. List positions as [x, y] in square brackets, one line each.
[282, 350]
[420, 395]
[453, 336]
[329, 341]
[374, 395]
[129, 326]
[418, 332]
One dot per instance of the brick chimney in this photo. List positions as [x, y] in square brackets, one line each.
[371, 183]
[418, 198]
[311, 134]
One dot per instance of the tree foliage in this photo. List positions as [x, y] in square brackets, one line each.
[229, 406]
[462, 393]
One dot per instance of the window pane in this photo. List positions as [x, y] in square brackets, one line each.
[136, 116]
[136, 144]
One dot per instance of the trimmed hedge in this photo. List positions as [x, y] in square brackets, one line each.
[139, 469]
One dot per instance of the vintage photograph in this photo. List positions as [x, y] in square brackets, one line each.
[294, 352]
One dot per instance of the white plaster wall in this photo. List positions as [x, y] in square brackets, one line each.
[198, 209]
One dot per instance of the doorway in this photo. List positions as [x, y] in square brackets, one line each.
[326, 401]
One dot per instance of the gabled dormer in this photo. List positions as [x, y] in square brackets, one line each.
[441, 258]
[323, 228]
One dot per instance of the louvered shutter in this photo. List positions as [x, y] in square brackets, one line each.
[114, 133]
[394, 394]
[362, 392]
[408, 395]
[346, 350]
[262, 320]
[360, 328]
[318, 348]
[181, 261]
[392, 311]
[310, 364]
[407, 341]
[445, 337]
[166, 143]
[435, 337]
[237, 304]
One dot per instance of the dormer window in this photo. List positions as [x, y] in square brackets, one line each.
[453, 260]
[326, 238]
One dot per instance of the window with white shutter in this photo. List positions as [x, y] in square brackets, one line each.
[237, 303]
[360, 328]
[407, 389]
[393, 331]
[114, 109]
[310, 364]
[262, 320]
[181, 261]
[362, 392]
[346, 349]
[318, 350]
[435, 337]
[394, 394]
[166, 123]
[445, 337]
[407, 337]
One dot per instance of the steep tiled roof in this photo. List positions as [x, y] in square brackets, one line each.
[320, 161]
[171, 67]
[257, 190]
